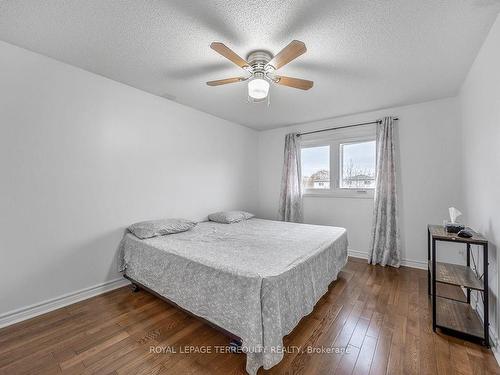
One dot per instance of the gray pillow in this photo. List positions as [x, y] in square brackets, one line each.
[228, 217]
[154, 228]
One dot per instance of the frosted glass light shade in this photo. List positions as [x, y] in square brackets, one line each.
[258, 88]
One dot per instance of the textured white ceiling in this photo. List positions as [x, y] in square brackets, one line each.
[362, 54]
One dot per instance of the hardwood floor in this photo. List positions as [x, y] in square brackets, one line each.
[380, 314]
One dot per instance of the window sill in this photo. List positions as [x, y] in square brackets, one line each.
[341, 194]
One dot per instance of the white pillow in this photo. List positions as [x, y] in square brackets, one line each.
[228, 217]
[154, 228]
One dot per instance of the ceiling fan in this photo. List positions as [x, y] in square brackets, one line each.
[261, 67]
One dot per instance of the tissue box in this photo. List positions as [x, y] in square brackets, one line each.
[453, 227]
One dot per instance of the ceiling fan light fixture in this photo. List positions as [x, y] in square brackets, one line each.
[260, 66]
[258, 88]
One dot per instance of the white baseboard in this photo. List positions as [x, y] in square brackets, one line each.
[357, 254]
[40, 308]
[422, 265]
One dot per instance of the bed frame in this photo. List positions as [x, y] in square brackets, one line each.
[235, 340]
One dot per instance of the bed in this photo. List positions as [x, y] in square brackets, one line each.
[255, 279]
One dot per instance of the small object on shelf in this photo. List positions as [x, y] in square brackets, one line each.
[465, 233]
[454, 227]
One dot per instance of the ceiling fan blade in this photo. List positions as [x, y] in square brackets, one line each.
[229, 54]
[225, 81]
[287, 54]
[296, 83]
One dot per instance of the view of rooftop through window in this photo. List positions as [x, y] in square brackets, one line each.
[316, 167]
[358, 165]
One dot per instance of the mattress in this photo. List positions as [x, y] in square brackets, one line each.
[256, 278]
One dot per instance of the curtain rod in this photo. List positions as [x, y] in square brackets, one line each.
[343, 127]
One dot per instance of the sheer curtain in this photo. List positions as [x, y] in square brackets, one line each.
[290, 205]
[385, 244]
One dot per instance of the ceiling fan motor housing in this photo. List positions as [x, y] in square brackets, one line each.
[258, 61]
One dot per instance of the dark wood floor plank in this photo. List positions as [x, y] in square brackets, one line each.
[381, 356]
[375, 324]
[380, 314]
[359, 333]
[459, 359]
[348, 361]
[411, 354]
[365, 357]
[443, 357]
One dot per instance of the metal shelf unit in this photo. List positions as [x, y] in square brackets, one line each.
[452, 314]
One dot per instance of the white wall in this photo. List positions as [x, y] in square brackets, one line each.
[81, 157]
[480, 105]
[429, 140]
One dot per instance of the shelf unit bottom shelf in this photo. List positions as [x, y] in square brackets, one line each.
[458, 316]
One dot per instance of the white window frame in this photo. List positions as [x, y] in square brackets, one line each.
[334, 139]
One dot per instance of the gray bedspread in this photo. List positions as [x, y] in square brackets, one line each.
[256, 278]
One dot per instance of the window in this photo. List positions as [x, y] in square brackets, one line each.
[341, 164]
[357, 165]
[316, 167]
